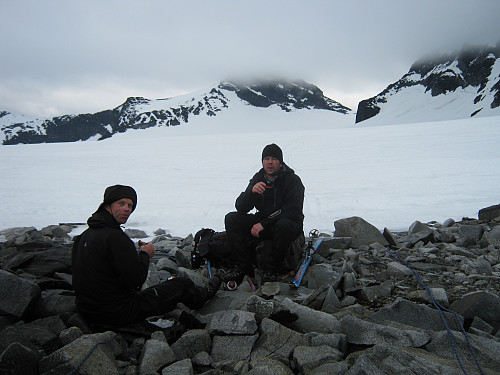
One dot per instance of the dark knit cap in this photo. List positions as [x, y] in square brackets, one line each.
[274, 151]
[117, 192]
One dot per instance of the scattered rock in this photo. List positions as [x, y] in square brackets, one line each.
[362, 306]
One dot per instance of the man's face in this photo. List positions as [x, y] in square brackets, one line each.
[121, 209]
[271, 165]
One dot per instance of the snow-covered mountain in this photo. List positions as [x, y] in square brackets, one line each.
[141, 113]
[455, 86]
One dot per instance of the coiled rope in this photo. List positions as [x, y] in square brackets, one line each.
[440, 308]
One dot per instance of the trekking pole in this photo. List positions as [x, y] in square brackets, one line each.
[311, 248]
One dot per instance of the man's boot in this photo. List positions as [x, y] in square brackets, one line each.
[213, 285]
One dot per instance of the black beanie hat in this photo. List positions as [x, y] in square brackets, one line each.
[274, 151]
[117, 192]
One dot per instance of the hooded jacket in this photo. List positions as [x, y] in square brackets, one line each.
[107, 270]
[283, 199]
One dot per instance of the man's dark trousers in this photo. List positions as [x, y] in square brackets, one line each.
[282, 233]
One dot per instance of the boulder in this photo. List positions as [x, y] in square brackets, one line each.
[104, 347]
[484, 305]
[360, 231]
[17, 295]
[489, 213]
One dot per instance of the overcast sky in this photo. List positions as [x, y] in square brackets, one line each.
[80, 56]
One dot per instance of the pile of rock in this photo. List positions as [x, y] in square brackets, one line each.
[423, 301]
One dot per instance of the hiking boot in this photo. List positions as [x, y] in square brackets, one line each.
[235, 274]
[270, 276]
[213, 285]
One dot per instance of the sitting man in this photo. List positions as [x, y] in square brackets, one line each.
[108, 272]
[277, 194]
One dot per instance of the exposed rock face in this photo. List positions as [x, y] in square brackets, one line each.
[141, 113]
[362, 306]
[472, 70]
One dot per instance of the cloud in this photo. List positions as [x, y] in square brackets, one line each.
[81, 56]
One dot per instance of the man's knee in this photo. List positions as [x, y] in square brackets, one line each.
[230, 219]
[286, 228]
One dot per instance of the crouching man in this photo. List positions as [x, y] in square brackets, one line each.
[108, 272]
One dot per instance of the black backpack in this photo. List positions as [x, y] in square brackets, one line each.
[212, 246]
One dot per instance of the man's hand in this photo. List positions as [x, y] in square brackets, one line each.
[148, 249]
[259, 188]
[256, 229]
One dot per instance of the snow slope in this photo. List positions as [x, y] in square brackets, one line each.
[189, 177]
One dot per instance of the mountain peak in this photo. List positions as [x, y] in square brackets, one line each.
[466, 82]
[141, 113]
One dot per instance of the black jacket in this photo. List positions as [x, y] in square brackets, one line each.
[107, 270]
[284, 198]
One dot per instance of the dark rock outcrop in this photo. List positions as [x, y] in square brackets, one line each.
[470, 68]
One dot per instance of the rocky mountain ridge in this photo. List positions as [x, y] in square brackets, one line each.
[471, 77]
[141, 113]
[421, 301]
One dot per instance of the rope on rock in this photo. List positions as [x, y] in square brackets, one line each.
[77, 367]
[440, 308]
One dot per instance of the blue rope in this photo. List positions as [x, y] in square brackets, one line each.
[439, 307]
[77, 367]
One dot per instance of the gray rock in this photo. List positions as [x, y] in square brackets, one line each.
[268, 366]
[310, 320]
[202, 359]
[269, 289]
[54, 304]
[491, 237]
[331, 303]
[167, 264]
[19, 360]
[232, 348]
[154, 356]
[384, 359]
[45, 262]
[448, 223]
[323, 274]
[361, 232]
[424, 236]
[484, 305]
[373, 293]
[226, 300]
[232, 322]
[417, 227]
[56, 231]
[481, 325]
[183, 258]
[184, 367]
[485, 350]
[350, 284]
[307, 358]
[489, 213]
[397, 269]
[331, 243]
[101, 362]
[334, 340]
[469, 235]
[191, 343]
[337, 368]
[69, 335]
[277, 341]
[135, 233]
[261, 307]
[18, 297]
[24, 238]
[415, 315]
[361, 332]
